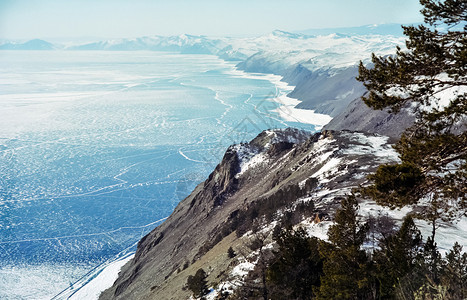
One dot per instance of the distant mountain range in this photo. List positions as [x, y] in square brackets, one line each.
[35, 44]
[183, 43]
[322, 64]
[201, 44]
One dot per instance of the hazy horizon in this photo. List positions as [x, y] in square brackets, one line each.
[86, 19]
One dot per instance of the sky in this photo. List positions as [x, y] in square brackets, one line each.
[27, 19]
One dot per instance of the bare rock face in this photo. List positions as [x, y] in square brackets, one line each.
[289, 164]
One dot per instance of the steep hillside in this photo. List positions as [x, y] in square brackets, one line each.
[327, 91]
[280, 169]
[358, 116]
[322, 68]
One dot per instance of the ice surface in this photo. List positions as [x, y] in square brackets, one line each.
[37, 281]
[97, 147]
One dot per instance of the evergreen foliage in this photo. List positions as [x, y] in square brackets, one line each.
[297, 266]
[402, 267]
[433, 171]
[454, 273]
[231, 253]
[345, 263]
[398, 256]
[198, 283]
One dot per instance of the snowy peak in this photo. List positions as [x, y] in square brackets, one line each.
[289, 35]
[315, 169]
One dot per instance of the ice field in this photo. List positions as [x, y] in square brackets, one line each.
[97, 148]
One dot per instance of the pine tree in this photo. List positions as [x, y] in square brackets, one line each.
[198, 283]
[428, 273]
[454, 273]
[296, 266]
[433, 171]
[447, 281]
[231, 253]
[398, 257]
[345, 263]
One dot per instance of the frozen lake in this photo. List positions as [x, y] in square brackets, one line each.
[97, 148]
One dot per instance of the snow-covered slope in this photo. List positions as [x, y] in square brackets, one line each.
[322, 68]
[316, 52]
[290, 165]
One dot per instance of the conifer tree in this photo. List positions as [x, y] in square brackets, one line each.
[398, 257]
[198, 283]
[454, 273]
[296, 266]
[433, 152]
[345, 263]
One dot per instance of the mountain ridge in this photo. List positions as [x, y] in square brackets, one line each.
[204, 215]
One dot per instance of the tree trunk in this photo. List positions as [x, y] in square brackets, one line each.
[265, 289]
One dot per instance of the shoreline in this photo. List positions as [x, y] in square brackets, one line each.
[103, 280]
[287, 109]
[97, 280]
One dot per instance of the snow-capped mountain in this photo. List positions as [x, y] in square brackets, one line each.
[330, 51]
[322, 68]
[183, 43]
[278, 166]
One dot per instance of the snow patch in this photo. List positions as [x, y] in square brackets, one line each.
[446, 235]
[248, 157]
[374, 145]
[318, 230]
[242, 269]
[329, 166]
